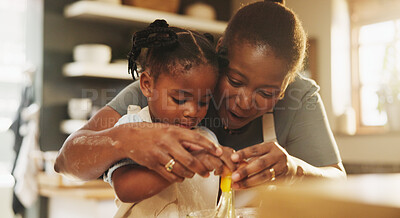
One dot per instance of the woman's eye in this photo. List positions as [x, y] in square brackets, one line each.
[177, 101]
[266, 94]
[233, 82]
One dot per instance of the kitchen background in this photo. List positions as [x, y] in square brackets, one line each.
[38, 46]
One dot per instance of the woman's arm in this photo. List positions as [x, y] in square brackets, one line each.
[90, 151]
[303, 169]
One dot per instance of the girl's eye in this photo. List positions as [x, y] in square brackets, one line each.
[234, 82]
[177, 101]
[203, 104]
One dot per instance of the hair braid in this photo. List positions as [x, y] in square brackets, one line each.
[170, 50]
[157, 34]
[276, 1]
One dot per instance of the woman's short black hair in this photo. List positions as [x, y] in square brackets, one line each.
[171, 50]
[269, 24]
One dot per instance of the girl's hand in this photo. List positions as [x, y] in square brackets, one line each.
[212, 162]
[264, 157]
[226, 158]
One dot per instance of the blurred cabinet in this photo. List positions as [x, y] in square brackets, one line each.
[67, 23]
[93, 199]
[128, 17]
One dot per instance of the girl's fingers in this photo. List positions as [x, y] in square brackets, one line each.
[252, 151]
[226, 158]
[192, 138]
[211, 162]
[191, 146]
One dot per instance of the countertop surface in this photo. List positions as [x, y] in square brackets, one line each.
[57, 186]
[367, 195]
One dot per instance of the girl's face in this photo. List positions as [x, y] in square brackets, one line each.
[250, 86]
[180, 99]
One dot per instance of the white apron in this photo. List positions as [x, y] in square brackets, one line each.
[243, 197]
[194, 194]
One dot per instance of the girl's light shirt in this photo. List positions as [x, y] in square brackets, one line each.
[178, 199]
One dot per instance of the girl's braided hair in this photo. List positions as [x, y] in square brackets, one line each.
[162, 49]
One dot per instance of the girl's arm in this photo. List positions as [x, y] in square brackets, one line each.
[133, 183]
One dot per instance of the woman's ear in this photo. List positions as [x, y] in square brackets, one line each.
[146, 84]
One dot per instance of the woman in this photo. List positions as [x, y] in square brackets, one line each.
[264, 44]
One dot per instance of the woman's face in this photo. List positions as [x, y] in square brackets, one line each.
[250, 86]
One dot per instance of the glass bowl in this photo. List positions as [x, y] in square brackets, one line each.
[247, 212]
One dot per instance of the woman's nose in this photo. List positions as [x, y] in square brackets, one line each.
[243, 99]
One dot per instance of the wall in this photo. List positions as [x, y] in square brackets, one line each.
[319, 19]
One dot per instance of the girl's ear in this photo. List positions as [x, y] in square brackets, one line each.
[146, 84]
[219, 43]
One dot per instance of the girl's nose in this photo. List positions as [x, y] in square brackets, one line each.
[190, 111]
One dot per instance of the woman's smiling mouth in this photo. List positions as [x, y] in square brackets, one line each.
[235, 116]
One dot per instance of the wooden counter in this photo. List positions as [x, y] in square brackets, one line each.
[57, 186]
[376, 195]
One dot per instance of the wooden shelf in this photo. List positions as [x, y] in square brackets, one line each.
[134, 16]
[112, 70]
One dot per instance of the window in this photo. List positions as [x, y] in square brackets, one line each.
[376, 62]
[12, 58]
[12, 61]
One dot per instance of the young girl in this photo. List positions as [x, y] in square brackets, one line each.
[179, 73]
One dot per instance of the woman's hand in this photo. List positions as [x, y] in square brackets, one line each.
[268, 160]
[264, 157]
[158, 143]
[216, 164]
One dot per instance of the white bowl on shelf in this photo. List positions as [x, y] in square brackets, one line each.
[92, 53]
[79, 108]
[70, 126]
